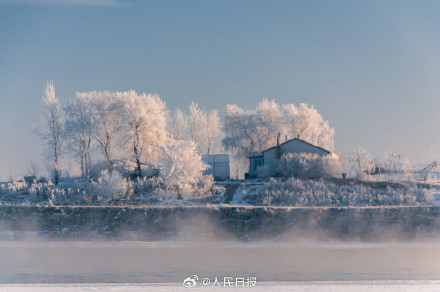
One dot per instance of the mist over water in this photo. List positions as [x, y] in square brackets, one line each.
[114, 245]
[171, 262]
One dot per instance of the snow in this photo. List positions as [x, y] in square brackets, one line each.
[436, 201]
[347, 286]
[115, 190]
[241, 193]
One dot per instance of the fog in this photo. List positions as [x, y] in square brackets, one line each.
[172, 262]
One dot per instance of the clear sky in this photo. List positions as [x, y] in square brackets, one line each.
[372, 68]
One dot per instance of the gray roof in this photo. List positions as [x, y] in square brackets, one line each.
[288, 141]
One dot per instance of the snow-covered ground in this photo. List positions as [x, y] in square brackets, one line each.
[436, 198]
[274, 192]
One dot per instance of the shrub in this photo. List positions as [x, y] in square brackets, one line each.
[110, 185]
[263, 171]
[308, 165]
[295, 192]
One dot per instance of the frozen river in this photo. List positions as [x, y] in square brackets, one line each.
[149, 263]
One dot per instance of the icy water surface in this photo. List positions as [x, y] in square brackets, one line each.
[345, 286]
[166, 262]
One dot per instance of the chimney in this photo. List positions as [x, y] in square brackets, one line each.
[278, 149]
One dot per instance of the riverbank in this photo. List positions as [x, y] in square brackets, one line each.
[224, 222]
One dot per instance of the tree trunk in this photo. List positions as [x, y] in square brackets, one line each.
[107, 156]
[139, 168]
[83, 167]
[138, 161]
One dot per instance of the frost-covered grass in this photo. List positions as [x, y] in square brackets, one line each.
[296, 192]
[108, 189]
[112, 189]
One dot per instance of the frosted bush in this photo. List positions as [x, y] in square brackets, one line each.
[206, 184]
[110, 185]
[182, 166]
[13, 187]
[58, 197]
[263, 171]
[308, 165]
[295, 192]
[147, 186]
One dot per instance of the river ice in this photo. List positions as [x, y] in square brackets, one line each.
[162, 266]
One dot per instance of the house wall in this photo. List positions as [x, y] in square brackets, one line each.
[270, 161]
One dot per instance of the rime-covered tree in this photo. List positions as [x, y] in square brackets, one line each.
[212, 131]
[306, 123]
[394, 163]
[240, 139]
[197, 125]
[181, 165]
[239, 130]
[53, 131]
[80, 125]
[108, 121]
[247, 131]
[145, 121]
[361, 163]
[178, 125]
[33, 168]
[267, 121]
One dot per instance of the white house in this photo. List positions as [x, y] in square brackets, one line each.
[270, 156]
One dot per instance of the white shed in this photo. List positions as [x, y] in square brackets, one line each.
[218, 166]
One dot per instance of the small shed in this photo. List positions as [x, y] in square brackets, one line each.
[218, 166]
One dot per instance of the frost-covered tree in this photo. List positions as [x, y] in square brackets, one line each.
[394, 163]
[267, 120]
[178, 125]
[145, 121]
[306, 123]
[201, 127]
[248, 131]
[108, 121]
[181, 165]
[197, 124]
[256, 130]
[53, 131]
[362, 163]
[212, 131]
[239, 130]
[33, 168]
[80, 125]
[239, 163]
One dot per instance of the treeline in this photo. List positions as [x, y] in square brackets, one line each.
[127, 130]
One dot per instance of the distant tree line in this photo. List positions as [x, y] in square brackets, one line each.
[127, 129]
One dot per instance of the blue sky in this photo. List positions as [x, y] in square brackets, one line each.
[372, 68]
